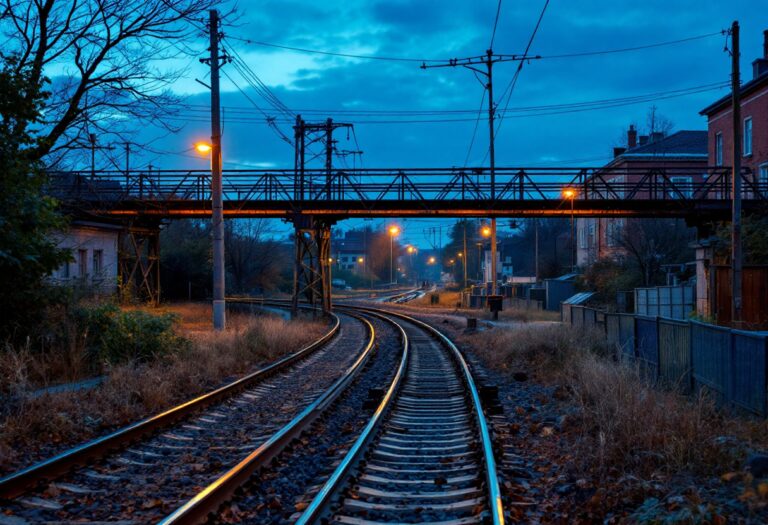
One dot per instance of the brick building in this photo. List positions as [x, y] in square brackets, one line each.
[754, 155]
[754, 122]
[682, 154]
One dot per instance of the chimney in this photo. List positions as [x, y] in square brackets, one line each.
[618, 151]
[760, 66]
[631, 137]
[643, 140]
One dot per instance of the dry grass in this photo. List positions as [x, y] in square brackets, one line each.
[33, 426]
[624, 424]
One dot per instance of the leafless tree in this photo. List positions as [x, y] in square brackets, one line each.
[110, 62]
[650, 243]
[253, 259]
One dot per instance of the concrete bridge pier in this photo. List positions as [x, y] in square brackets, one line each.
[705, 276]
[312, 262]
[139, 262]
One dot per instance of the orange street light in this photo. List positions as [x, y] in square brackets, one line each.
[461, 254]
[570, 193]
[486, 231]
[360, 260]
[411, 249]
[203, 148]
[393, 230]
[431, 260]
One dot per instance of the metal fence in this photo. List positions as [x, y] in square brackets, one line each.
[688, 356]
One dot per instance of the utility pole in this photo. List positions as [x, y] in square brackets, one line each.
[736, 252]
[466, 256]
[488, 60]
[301, 130]
[219, 318]
[536, 247]
[93, 146]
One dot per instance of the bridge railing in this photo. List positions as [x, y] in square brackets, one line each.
[420, 184]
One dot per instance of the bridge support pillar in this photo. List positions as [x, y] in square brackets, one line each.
[312, 263]
[705, 273]
[139, 263]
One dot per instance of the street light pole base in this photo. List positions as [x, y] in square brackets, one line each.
[219, 314]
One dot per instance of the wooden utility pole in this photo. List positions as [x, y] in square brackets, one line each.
[219, 318]
[736, 251]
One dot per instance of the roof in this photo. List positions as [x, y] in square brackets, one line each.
[746, 89]
[579, 298]
[682, 144]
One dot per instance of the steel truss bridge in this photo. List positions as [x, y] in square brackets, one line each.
[417, 192]
[314, 200]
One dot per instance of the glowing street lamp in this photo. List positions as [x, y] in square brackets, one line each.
[485, 231]
[394, 230]
[431, 260]
[203, 148]
[570, 194]
[360, 260]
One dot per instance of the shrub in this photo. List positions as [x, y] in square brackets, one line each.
[114, 336]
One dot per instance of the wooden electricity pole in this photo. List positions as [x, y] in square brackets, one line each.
[736, 251]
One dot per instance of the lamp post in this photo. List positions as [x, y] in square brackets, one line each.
[463, 266]
[488, 232]
[214, 153]
[393, 231]
[570, 194]
[411, 250]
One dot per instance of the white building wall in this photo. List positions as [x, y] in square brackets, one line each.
[94, 261]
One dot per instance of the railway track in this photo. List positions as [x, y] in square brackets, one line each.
[426, 456]
[420, 453]
[142, 472]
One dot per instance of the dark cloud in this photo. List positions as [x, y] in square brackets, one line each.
[444, 28]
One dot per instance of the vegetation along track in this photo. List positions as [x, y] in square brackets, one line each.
[142, 472]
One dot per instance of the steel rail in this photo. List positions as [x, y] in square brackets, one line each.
[198, 509]
[18, 482]
[322, 500]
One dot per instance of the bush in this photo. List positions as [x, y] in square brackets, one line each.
[114, 336]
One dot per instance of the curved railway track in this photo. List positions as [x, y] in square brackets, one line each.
[426, 456]
[421, 452]
[142, 472]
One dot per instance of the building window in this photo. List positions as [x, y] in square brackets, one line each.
[64, 272]
[680, 185]
[591, 239]
[98, 260]
[82, 263]
[613, 232]
[748, 136]
[719, 149]
[763, 179]
[582, 237]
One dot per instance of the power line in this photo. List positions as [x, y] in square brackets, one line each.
[513, 83]
[537, 110]
[575, 108]
[434, 60]
[495, 25]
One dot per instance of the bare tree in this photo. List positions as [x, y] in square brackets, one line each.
[108, 61]
[650, 243]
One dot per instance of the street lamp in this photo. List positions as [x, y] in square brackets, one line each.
[203, 148]
[570, 194]
[490, 232]
[393, 231]
[217, 222]
[411, 250]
